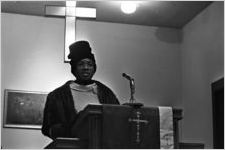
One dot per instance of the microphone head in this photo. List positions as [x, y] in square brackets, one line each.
[126, 76]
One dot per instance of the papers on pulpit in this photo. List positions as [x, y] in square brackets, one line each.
[166, 128]
[67, 139]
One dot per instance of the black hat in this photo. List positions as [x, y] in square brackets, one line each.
[80, 50]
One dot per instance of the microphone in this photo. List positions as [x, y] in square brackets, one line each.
[126, 76]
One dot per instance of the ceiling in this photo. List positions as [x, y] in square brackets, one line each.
[174, 14]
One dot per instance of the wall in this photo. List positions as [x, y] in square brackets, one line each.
[149, 54]
[202, 63]
[32, 60]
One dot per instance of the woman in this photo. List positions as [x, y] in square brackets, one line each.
[64, 103]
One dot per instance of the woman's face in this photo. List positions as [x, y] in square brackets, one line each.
[85, 69]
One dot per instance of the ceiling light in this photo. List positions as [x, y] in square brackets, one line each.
[128, 7]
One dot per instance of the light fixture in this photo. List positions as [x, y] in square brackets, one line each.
[128, 7]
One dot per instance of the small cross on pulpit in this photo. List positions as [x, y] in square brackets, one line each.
[168, 141]
[138, 121]
[70, 12]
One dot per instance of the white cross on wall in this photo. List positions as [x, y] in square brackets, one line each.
[70, 12]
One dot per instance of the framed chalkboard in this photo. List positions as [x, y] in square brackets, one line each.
[23, 109]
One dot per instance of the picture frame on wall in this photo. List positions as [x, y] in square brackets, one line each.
[23, 109]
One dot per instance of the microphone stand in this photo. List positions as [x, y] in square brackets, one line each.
[132, 101]
[132, 91]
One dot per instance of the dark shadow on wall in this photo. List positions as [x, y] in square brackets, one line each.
[169, 35]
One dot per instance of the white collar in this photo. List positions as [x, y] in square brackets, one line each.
[83, 88]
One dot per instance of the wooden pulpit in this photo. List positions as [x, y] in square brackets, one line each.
[121, 126]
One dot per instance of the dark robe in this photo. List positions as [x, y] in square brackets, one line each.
[60, 113]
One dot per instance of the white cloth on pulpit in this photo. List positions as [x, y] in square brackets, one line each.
[166, 128]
